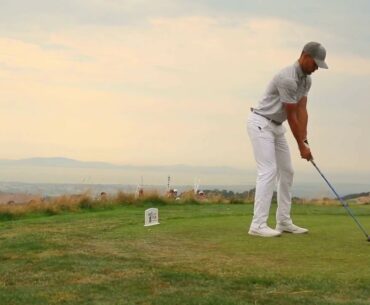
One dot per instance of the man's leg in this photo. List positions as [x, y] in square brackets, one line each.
[263, 143]
[284, 180]
[285, 174]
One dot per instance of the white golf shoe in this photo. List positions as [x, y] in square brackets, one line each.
[264, 232]
[290, 228]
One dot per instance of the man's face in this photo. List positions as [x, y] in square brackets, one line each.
[308, 64]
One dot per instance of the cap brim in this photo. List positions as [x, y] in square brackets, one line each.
[321, 64]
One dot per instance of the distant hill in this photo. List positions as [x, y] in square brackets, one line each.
[56, 162]
[72, 163]
[58, 175]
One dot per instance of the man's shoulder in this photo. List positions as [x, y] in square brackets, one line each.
[286, 72]
[286, 78]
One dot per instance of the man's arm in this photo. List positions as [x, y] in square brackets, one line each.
[298, 118]
[302, 115]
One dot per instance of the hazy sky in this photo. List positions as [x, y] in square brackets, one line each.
[165, 82]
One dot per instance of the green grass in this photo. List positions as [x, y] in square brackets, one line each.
[199, 254]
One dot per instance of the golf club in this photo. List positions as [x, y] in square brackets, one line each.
[345, 205]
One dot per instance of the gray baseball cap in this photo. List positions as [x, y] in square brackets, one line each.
[317, 52]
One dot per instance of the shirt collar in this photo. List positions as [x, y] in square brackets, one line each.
[299, 70]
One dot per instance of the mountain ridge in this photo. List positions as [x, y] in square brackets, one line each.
[68, 163]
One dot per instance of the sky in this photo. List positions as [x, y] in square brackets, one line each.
[165, 82]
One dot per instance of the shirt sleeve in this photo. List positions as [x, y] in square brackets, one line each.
[287, 88]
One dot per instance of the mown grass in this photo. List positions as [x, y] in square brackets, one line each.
[199, 254]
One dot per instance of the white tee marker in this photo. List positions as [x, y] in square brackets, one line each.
[151, 217]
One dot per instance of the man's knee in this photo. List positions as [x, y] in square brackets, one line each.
[267, 174]
[287, 172]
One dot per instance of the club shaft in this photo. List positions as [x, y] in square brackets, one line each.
[345, 205]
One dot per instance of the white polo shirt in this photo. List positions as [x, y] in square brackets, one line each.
[288, 86]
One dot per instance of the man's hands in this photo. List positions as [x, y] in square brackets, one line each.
[305, 151]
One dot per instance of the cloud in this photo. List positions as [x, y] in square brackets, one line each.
[173, 90]
[20, 17]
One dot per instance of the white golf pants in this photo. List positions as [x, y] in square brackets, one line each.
[271, 152]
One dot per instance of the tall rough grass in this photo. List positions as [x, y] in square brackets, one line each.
[78, 203]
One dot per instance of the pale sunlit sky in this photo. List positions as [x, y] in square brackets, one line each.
[164, 82]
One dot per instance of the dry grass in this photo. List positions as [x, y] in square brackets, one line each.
[361, 200]
[50, 206]
[85, 201]
[322, 201]
[365, 200]
[74, 203]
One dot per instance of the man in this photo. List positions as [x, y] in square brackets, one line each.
[285, 99]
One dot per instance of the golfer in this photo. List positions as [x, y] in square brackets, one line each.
[285, 99]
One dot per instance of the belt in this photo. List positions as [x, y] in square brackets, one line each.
[267, 118]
